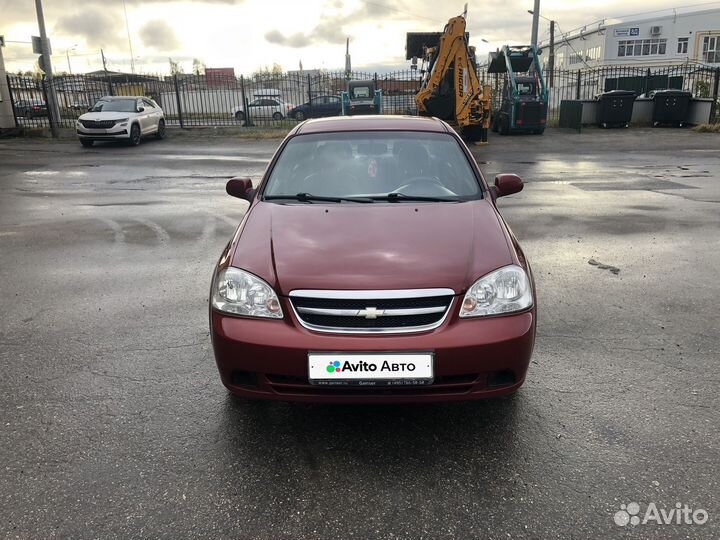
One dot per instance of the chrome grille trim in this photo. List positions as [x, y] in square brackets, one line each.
[385, 312]
[370, 296]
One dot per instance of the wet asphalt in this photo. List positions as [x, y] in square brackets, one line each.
[115, 425]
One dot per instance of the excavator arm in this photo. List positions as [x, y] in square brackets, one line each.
[451, 89]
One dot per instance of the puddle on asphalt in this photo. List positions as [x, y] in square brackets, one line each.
[213, 158]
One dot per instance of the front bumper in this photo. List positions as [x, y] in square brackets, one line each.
[116, 132]
[473, 358]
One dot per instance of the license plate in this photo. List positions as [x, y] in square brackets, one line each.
[370, 369]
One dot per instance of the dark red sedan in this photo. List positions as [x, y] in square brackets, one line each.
[373, 266]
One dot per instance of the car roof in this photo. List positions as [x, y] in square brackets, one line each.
[371, 123]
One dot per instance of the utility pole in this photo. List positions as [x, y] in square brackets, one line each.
[127, 28]
[53, 111]
[7, 116]
[551, 60]
[535, 21]
[102, 55]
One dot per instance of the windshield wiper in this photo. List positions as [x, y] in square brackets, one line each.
[396, 196]
[308, 197]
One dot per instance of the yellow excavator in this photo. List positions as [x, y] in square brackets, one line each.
[450, 88]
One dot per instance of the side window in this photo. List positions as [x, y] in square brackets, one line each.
[333, 101]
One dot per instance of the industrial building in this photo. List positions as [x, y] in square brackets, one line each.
[691, 37]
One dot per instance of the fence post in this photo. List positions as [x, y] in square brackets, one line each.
[309, 89]
[714, 107]
[12, 100]
[579, 82]
[246, 109]
[177, 100]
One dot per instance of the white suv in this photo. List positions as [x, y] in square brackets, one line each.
[127, 118]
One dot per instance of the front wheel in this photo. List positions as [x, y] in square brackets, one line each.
[277, 116]
[134, 135]
[240, 116]
[161, 130]
[87, 143]
[299, 116]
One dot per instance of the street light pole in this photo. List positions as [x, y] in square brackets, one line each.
[551, 60]
[67, 54]
[535, 21]
[53, 111]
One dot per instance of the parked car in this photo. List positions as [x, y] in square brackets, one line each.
[317, 107]
[121, 118]
[30, 108]
[373, 266]
[263, 108]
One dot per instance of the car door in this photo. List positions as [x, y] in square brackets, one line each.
[256, 109]
[333, 107]
[275, 106]
[153, 115]
[316, 106]
[143, 116]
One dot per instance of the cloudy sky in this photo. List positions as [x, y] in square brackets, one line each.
[250, 34]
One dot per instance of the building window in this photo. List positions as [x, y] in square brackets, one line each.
[592, 53]
[642, 47]
[575, 58]
[711, 49]
[682, 45]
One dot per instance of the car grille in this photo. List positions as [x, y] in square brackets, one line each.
[372, 311]
[98, 124]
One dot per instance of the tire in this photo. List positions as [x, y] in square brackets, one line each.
[87, 143]
[299, 116]
[161, 134]
[240, 116]
[277, 116]
[134, 135]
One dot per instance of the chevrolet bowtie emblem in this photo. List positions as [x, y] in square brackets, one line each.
[371, 313]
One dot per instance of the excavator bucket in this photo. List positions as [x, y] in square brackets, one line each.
[417, 41]
[520, 57]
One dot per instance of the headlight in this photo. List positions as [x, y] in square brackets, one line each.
[239, 292]
[505, 290]
[121, 120]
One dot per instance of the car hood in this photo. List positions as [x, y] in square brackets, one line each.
[106, 115]
[372, 246]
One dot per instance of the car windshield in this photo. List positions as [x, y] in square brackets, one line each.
[115, 105]
[373, 164]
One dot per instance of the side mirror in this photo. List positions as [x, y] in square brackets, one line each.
[141, 109]
[507, 184]
[241, 188]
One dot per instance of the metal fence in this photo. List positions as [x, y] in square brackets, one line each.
[215, 100]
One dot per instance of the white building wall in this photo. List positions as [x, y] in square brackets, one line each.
[600, 44]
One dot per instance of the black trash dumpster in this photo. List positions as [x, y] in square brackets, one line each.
[671, 107]
[615, 108]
